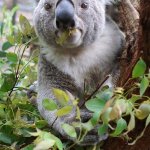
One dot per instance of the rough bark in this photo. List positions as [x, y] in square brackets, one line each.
[138, 45]
[144, 43]
[129, 17]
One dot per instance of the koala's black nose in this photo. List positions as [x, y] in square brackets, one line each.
[65, 14]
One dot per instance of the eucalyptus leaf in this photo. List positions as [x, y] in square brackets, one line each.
[88, 125]
[148, 121]
[105, 95]
[95, 105]
[139, 69]
[12, 57]
[2, 54]
[29, 147]
[64, 111]
[45, 145]
[57, 142]
[61, 96]
[103, 129]
[5, 138]
[70, 130]
[143, 111]
[6, 46]
[40, 123]
[49, 104]
[131, 124]
[121, 125]
[26, 28]
[9, 81]
[105, 116]
[144, 85]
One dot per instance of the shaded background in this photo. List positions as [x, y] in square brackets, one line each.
[26, 7]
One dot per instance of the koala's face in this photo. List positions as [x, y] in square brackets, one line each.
[84, 18]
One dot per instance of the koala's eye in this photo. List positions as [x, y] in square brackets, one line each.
[84, 5]
[47, 6]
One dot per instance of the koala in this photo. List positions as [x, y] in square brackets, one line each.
[88, 54]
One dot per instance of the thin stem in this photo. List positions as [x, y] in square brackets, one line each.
[94, 92]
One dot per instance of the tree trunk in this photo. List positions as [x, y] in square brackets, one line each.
[144, 43]
[141, 49]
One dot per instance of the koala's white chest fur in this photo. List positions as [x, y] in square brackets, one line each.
[78, 67]
[96, 58]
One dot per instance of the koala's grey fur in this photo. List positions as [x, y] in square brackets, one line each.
[68, 66]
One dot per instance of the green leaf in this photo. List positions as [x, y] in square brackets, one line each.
[18, 37]
[25, 25]
[57, 142]
[11, 40]
[61, 96]
[45, 144]
[12, 57]
[43, 135]
[9, 81]
[18, 115]
[40, 123]
[147, 121]
[130, 107]
[2, 111]
[143, 111]
[70, 130]
[2, 54]
[106, 115]
[121, 125]
[131, 124]
[5, 138]
[6, 46]
[103, 129]
[95, 118]
[29, 147]
[105, 95]
[95, 105]
[49, 104]
[134, 98]
[139, 69]
[144, 85]
[1, 28]
[64, 111]
[14, 10]
[88, 125]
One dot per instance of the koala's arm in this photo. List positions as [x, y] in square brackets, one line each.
[50, 77]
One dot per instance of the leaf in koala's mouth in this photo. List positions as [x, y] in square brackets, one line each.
[64, 36]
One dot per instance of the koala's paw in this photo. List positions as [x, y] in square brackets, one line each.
[92, 136]
[32, 93]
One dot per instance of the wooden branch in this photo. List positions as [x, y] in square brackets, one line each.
[130, 22]
[141, 48]
[144, 41]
